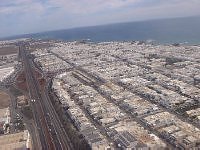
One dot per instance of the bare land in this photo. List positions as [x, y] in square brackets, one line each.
[4, 100]
[7, 50]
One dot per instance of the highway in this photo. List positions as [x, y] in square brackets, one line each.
[62, 136]
[52, 135]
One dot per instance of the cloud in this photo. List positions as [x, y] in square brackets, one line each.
[23, 16]
[70, 6]
[84, 6]
[89, 6]
[20, 6]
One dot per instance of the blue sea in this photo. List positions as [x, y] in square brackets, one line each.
[165, 31]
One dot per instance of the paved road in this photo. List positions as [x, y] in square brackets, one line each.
[51, 133]
[53, 116]
[34, 95]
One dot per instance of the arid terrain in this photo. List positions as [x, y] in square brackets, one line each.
[7, 50]
[4, 100]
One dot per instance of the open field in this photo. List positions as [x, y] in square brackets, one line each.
[4, 100]
[11, 49]
[14, 141]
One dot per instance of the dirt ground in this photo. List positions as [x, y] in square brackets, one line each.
[11, 49]
[4, 100]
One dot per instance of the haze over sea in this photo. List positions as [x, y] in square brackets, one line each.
[165, 31]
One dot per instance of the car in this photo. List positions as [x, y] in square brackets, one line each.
[33, 100]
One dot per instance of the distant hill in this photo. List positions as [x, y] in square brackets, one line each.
[176, 30]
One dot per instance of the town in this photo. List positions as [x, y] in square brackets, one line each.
[107, 95]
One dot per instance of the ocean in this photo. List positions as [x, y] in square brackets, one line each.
[164, 31]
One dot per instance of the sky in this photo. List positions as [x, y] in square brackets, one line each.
[31, 16]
